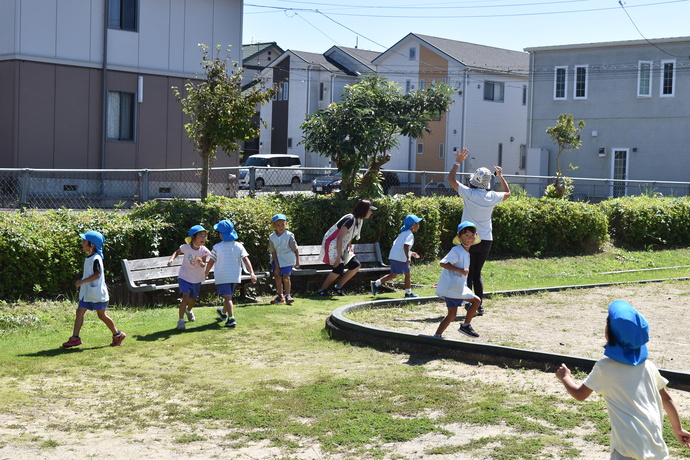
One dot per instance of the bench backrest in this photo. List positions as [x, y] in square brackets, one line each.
[151, 269]
[369, 253]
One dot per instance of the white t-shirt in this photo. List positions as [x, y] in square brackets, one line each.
[95, 291]
[284, 246]
[634, 404]
[398, 249]
[452, 284]
[479, 205]
[228, 257]
[190, 270]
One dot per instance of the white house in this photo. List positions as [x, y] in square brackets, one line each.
[87, 83]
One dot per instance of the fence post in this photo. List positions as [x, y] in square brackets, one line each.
[252, 177]
[24, 189]
[145, 185]
[423, 183]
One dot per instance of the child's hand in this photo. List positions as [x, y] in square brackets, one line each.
[170, 263]
[297, 264]
[562, 372]
[414, 255]
[253, 278]
[683, 437]
[79, 283]
[462, 155]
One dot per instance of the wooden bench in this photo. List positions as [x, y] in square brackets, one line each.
[369, 255]
[153, 274]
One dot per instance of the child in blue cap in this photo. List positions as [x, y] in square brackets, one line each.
[228, 257]
[452, 285]
[192, 271]
[632, 387]
[284, 253]
[93, 292]
[400, 256]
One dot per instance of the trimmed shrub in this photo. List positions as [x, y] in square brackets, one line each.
[645, 222]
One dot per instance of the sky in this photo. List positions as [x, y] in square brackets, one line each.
[315, 26]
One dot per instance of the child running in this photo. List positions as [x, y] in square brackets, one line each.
[228, 257]
[192, 272]
[400, 256]
[284, 255]
[93, 292]
[452, 285]
[632, 387]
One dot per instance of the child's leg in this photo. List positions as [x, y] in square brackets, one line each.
[288, 284]
[183, 304]
[228, 306]
[191, 303]
[103, 316]
[348, 275]
[408, 281]
[279, 281]
[329, 280]
[475, 302]
[386, 278]
[452, 313]
[78, 321]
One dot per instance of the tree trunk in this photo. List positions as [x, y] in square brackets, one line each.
[205, 169]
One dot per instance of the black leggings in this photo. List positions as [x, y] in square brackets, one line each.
[351, 265]
[478, 255]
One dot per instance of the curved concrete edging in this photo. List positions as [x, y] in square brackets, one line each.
[342, 328]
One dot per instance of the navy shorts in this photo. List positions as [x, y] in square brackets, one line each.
[93, 305]
[192, 288]
[454, 303]
[283, 270]
[398, 267]
[226, 288]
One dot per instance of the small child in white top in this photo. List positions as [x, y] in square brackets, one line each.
[228, 257]
[452, 285]
[192, 271]
[400, 256]
[284, 253]
[632, 387]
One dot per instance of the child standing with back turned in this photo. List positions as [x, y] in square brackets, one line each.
[400, 256]
[632, 387]
[93, 292]
[452, 285]
[284, 255]
[228, 257]
[192, 271]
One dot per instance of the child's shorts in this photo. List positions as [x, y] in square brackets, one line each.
[283, 270]
[398, 267]
[93, 306]
[453, 303]
[192, 288]
[226, 288]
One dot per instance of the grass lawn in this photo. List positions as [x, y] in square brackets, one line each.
[278, 387]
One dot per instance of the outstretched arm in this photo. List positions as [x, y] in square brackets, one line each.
[459, 158]
[579, 392]
[681, 435]
[504, 184]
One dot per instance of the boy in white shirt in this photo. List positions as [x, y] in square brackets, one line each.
[400, 256]
[284, 255]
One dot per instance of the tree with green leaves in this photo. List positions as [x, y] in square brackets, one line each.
[566, 134]
[220, 112]
[359, 131]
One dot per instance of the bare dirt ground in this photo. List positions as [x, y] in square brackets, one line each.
[565, 322]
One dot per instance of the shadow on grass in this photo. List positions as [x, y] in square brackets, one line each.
[167, 333]
[61, 351]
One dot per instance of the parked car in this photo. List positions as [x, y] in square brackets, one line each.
[275, 170]
[330, 184]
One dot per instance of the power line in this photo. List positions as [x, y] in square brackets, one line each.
[620, 2]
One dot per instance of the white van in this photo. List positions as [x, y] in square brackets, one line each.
[272, 169]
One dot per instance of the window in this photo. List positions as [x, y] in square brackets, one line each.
[580, 89]
[408, 86]
[413, 54]
[524, 94]
[523, 156]
[500, 154]
[493, 91]
[420, 148]
[120, 116]
[283, 91]
[560, 82]
[442, 150]
[321, 90]
[644, 79]
[668, 75]
[289, 143]
[122, 14]
[421, 84]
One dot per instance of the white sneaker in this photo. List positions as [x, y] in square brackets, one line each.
[190, 316]
[181, 324]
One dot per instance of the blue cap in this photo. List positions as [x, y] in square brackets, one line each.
[279, 217]
[94, 238]
[630, 333]
[227, 229]
[466, 224]
[193, 231]
[409, 221]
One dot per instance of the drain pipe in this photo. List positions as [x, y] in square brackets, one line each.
[104, 82]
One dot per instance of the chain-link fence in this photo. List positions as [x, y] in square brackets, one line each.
[82, 189]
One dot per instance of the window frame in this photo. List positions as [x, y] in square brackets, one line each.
[650, 77]
[127, 21]
[577, 82]
[493, 85]
[420, 148]
[663, 78]
[122, 116]
[556, 71]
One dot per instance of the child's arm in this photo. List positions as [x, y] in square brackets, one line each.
[459, 158]
[297, 257]
[91, 278]
[172, 257]
[453, 268]
[248, 264]
[209, 266]
[579, 392]
[275, 260]
[681, 435]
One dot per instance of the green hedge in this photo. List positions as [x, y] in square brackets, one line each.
[645, 222]
[41, 252]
